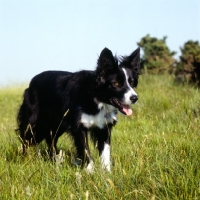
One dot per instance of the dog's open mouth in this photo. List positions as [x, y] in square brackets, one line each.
[123, 108]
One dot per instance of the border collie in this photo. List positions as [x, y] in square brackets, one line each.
[86, 101]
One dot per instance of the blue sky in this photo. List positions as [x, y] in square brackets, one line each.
[39, 35]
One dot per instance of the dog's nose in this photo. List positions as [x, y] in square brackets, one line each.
[134, 98]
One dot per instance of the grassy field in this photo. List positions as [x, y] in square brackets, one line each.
[155, 152]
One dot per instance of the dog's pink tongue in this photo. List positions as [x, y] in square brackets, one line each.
[127, 110]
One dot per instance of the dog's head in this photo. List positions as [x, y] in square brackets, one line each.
[116, 79]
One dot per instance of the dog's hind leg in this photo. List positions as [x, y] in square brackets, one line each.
[26, 136]
[27, 139]
[51, 141]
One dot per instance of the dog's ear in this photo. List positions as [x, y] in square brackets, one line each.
[106, 60]
[132, 62]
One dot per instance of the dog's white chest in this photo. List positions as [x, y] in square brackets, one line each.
[107, 114]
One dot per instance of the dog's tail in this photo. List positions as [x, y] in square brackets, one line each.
[24, 114]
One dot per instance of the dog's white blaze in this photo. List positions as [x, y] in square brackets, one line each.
[107, 114]
[130, 91]
[105, 157]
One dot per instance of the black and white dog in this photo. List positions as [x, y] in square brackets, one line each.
[86, 101]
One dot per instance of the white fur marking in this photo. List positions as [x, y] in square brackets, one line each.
[130, 91]
[108, 112]
[105, 157]
[100, 106]
[90, 167]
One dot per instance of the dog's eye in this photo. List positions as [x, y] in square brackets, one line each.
[131, 82]
[116, 84]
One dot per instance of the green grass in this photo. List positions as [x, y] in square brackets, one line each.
[155, 152]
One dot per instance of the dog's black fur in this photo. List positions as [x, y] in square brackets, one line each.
[57, 101]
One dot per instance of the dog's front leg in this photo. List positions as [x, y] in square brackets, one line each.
[105, 157]
[83, 151]
[103, 139]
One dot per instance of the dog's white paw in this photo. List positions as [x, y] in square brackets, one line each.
[90, 168]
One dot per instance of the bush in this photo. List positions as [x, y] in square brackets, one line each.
[188, 68]
[157, 57]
